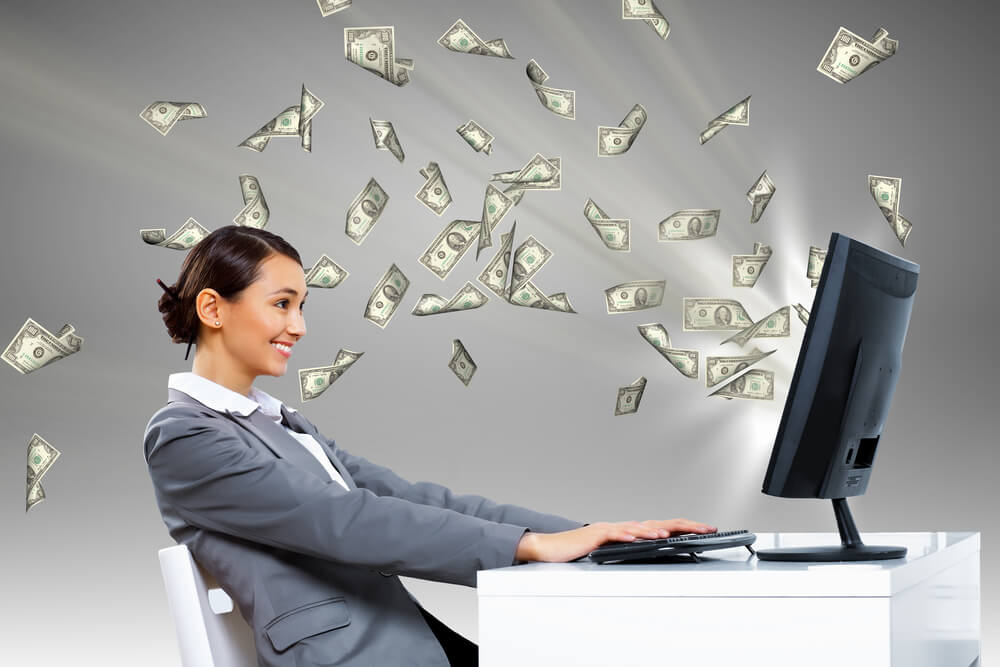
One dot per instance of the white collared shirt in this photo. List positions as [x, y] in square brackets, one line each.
[220, 399]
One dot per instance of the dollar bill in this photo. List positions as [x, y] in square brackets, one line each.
[461, 363]
[386, 138]
[647, 11]
[614, 233]
[449, 246]
[718, 369]
[777, 324]
[187, 236]
[690, 224]
[373, 48]
[434, 192]
[386, 297]
[814, 269]
[365, 210]
[557, 100]
[802, 312]
[463, 39]
[738, 114]
[314, 381]
[850, 55]
[467, 298]
[617, 140]
[759, 195]
[540, 173]
[255, 211]
[634, 295]
[885, 190]
[34, 346]
[559, 301]
[629, 396]
[747, 268]
[529, 295]
[686, 361]
[528, 260]
[327, 7]
[162, 116]
[41, 456]
[325, 273]
[755, 383]
[494, 276]
[476, 136]
[712, 314]
[295, 121]
[495, 206]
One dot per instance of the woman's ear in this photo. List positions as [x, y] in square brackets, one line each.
[207, 306]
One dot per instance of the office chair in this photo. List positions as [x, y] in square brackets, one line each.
[209, 631]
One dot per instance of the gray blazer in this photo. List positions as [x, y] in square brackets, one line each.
[313, 567]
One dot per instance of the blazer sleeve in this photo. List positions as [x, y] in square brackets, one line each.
[213, 479]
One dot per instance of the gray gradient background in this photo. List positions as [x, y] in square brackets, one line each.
[80, 174]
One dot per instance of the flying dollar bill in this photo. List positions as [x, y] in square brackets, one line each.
[755, 383]
[629, 396]
[373, 48]
[634, 295]
[365, 210]
[647, 11]
[463, 39]
[314, 381]
[738, 114]
[617, 140]
[718, 369]
[850, 55]
[162, 116]
[494, 276]
[255, 211]
[539, 173]
[34, 346]
[747, 268]
[557, 100]
[327, 7]
[461, 363]
[476, 136]
[187, 236]
[777, 324]
[814, 269]
[711, 314]
[386, 297]
[449, 246]
[686, 361]
[530, 296]
[885, 190]
[528, 260]
[495, 206]
[41, 456]
[802, 313]
[325, 273]
[690, 224]
[467, 298]
[434, 192]
[614, 233]
[385, 138]
[759, 195]
[295, 121]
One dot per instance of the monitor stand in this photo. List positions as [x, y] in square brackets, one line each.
[851, 547]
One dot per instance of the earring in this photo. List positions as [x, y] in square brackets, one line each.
[217, 323]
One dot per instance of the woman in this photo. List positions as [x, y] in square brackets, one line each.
[307, 538]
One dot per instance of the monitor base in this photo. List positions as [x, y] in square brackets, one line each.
[827, 554]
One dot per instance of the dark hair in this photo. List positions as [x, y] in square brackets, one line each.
[227, 260]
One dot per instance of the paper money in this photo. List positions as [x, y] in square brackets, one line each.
[529, 258]
[461, 363]
[162, 116]
[817, 256]
[463, 39]
[34, 346]
[449, 246]
[386, 297]
[327, 7]
[711, 314]
[634, 295]
[885, 190]
[434, 192]
[41, 456]
[738, 114]
[690, 224]
[647, 11]
[755, 383]
[467, 298]
[686, 361]
[614, 233]
[718, 369]
[495, 207]
[802, 313]
[325, 273]
[314, 381]
[295, 121]
[557, 100]
[385, 138]
[629, 396]
[254, 212]
[530, 296]
[617, 140]
[850, 55]
[476, 136]
[747, 268]
[777, 324]
[187, 236]
[759, 195]
[365, 210]
[373, 48]
[540, 173]
[494, 276]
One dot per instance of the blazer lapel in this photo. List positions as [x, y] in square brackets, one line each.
[298, 423]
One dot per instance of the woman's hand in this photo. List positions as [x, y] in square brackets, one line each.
[572, 544]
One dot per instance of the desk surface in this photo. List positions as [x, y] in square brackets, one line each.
[735, 572]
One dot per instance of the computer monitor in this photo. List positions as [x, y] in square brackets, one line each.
[840, 392]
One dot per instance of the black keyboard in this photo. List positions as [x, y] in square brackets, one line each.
[671, 547]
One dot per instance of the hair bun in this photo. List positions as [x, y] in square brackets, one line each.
[170, 304]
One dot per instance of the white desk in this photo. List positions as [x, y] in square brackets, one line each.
[735, 610]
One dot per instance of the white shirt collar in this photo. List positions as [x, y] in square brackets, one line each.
[220, 398]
